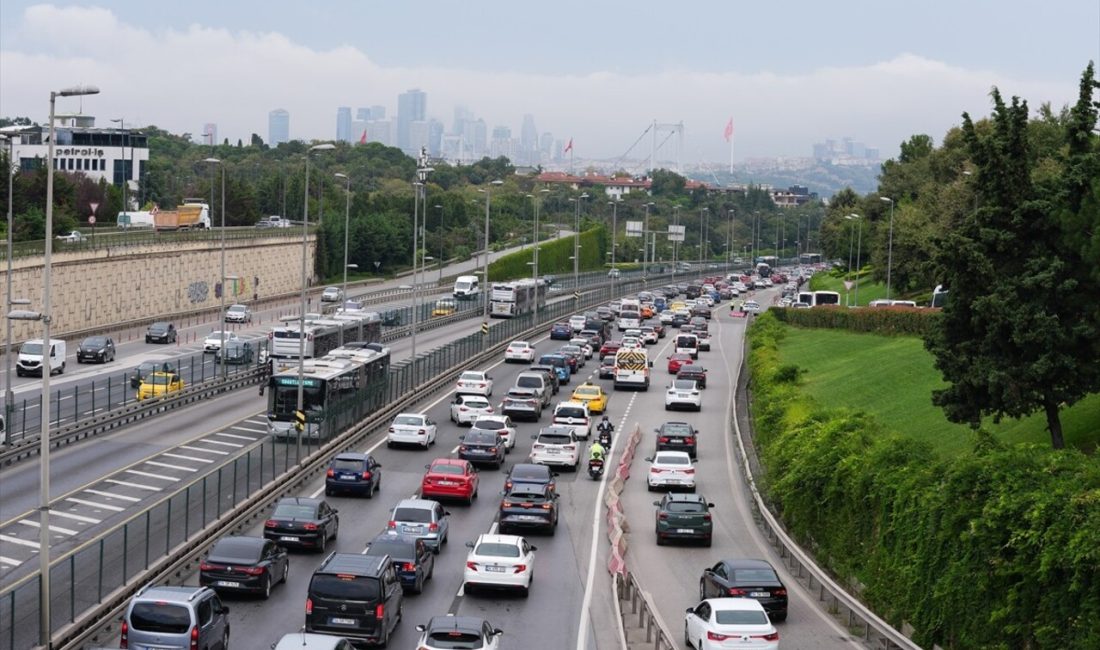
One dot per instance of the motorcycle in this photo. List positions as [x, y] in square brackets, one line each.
[604, 437]
[595, 468]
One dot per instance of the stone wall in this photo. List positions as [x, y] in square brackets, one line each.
[103, 287]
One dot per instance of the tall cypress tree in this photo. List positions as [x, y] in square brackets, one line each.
[1019, 333]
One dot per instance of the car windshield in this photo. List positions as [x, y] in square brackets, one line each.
[528, 473]
[412, 420]
[569, 412]
[480, 438]
[684, 506]
[488, 425]
[417, 515]
[740, 617]
[398, 549]
[588, 392]
[529, 382]
[158, 327]
[165, 618]
[31, 348]
[554, 439]
[455, 640]
[347, 465]
[495, 549]
[518, 346]
[161, 380]
[672, 460]
[343, 587]
[238, 308]
[236, 550]
[476, 403]
[676, 428]
[294, 511]
[220, 335]
[471, 376]
[683, 384]
[455, 470]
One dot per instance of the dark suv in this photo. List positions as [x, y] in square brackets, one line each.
[355, 596]
[161, 332]
[353, 472]
[677, 436]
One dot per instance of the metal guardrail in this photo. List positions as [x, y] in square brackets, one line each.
[628, 589]
[181, 548]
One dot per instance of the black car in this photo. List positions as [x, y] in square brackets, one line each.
[239, 353]
[160, 332]
[561, 332]
[678, 320]
[355, 596]
[700, 311]
[302, 522]
[99, 349]
[482, 447]
[528, 506]
[353, 472]
[754, 579]
[412, 560]
[147, 368]
[677, 436]
[530, 473]
[698, 374]
[251, 564]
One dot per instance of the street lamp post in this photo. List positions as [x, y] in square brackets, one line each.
[9, 396]
[851, 249]
[485, 291]
[675, 242]
[729, 241]
[704, 215]
[859, 249]
[440, 260]
[215, 161]
[577, 246]
[44, 436]
[347, 224]
[889, 245]
[125, 179]
[645, 243]
[614, 229]
[324, 146]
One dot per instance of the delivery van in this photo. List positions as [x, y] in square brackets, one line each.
[31, 358]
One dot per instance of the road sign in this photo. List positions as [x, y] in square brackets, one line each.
[634, 228]
[576, 295]
[676, 233]
[484, 328]
[95, 206]
[91, 219]
[300, 420]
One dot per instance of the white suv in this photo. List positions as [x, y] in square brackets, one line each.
[576, 322]
[575, 416]
[556, 445]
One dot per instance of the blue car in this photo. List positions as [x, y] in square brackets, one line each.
[560, 364]
[561, 332]
[660, 304]
[412, 559]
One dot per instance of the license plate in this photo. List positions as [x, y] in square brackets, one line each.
[341, 621]
[412, 529]
[226, 583]
[529, 518]
[684, 530]
[447, 483]
[678, 441]
[553, 451]
[347, 478]
[682, 395]
[759, 594]
[495, 569]
[287, 538]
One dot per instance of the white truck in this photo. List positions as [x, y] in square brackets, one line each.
[632, 369]
[31, 361]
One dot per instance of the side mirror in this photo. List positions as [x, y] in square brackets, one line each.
[656, 503]
[534, 436]
[225, 610]
[649, 459]
[469, 544]
[497, 631]
[427, 467]
[690, 610]
[419, 628]
[710, 505]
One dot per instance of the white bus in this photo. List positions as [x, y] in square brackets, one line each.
[321, 336]
[819, 298]
[511, 299]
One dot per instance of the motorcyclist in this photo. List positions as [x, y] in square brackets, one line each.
[604, 429]
[596, 452]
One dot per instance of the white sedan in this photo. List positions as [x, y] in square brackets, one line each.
[521, 351]
[465, 409]
[718, 623]
[576, 322]
[411, 429]
[238, 314]
[499, 561]
[501, 424]
[475, 382]
[213, 342]
[671, 469]
[584, 345]
[751, 306]
[666, 317]
[631, 342]
[683, 393]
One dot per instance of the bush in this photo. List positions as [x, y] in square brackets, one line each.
[553, 257]
[997, 548]
[910, 321]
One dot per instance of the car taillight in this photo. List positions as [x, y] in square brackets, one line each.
[309, 605]
[423, 432]
[462, 408]
[689, 471]
[270, 523]
[472, 566]
[310, 526]
[570, 447]
[714, 636]
[734, 591]
[662, 439]
[461, 448]
[689, 440]
[490, 409]
[433, 527]
[706, 517]
[534, 446]
[195, 638]
[520, 568]
[380, 611]
[662, 515]
[506, 504]
[366, 476]
[774, 636]
[493, 449]
[408, 566]
[209, 567]
[546, 506]
[330, 473]
[656, 470]
[124, 641]
[391, 524]
[391, 429]
[253, 570]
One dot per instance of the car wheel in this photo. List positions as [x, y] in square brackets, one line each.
[707, 541]
[378, 486]
[389, 444]
[267, 587]
[78, 360]
[687, 641]
[286, 572]
[660, 540]
[370, 491]
[148, 340]
[778, 617]
[702, 590]
[323, 544]
[328, 492]
[225, 640]
[418, 588]
[524, 591]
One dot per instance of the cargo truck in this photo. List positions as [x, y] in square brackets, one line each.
[194, 213]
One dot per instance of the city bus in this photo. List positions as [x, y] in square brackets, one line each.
[510, 299]
[323, 334]
[338, 390]
[819, 298]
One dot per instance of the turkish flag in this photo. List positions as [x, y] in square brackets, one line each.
[363, 138]
[569, 147]
[729, 130]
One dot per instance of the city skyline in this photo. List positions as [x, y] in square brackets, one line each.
[842, 78]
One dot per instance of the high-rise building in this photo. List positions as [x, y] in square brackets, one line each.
[377, 112]
[343, 124]
[412, 106]
[546, 144]
[362, 114]
[502, 143]
[419, 136]
[380, 131]
[435, 137]
[278, 127]
[462, 115]
[210, 133]
[476, 135]
[529, 140]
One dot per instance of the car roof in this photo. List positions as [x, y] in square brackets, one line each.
[308, 641]
[739, 604]
[530, 470]
[175, 594]
[461, 623]
[424, 504]
[691, 367]
[686, 498]
[301, 501]
[449, 461]
[240, 541]
[498, 539]
[350, 455]
[748, 563]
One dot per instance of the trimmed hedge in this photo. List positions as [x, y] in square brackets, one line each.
[910, 321]
[998, 548]
[553, 257]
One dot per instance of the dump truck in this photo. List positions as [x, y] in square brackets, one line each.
[192, 214]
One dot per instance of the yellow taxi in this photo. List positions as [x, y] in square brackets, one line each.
[444, 307]
[592, 395]
[679, 304]
[158, 384]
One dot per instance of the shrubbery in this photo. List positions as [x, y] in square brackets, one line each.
[879, 320]
[997, 548]
[553, 257]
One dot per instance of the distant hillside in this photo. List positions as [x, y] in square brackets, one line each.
[824, 178]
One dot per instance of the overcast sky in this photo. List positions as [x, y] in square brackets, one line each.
[790, 73]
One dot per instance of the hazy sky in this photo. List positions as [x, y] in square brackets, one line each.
[790, 73]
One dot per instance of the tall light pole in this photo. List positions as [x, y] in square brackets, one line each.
[729, 240]
[9, 396]
[577, 246]
[215, 161]
[485, 291]
[704, 214]
[347, 224]
[851, 249]
[422, 171]
[614, 229]
[44, 435]
[125, 176]
[324, 146]
[859, 249]
[675, 242]
[440, 260]
[890, 245]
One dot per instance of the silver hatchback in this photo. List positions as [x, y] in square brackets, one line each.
[421, 518]
[167, 617]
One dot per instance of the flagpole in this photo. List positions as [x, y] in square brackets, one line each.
[731, 155]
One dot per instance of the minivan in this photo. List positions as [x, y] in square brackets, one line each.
[688, 344]
[175, 617]
[538, 381]
[30, 358]
[355, 596]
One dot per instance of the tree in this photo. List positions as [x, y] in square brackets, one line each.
[1018, 333]
[667, 183]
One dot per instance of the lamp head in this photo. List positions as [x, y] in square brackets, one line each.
[324, 146]
[78, 90]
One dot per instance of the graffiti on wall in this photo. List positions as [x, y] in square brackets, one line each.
[197, 292]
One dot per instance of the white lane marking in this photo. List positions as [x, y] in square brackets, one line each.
[149, 475]
[56, 529]
[20, 542]
[236, 445]
[9, 561]
[69, 515]
[179, 467]
[140, 486]
[240, 428]
[112, 495]
[455, 450]
[186, 457]
[93, 504]
[263, 422]
[233, 435]
[205, 451]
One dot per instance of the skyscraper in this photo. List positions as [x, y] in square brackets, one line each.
[362, 114]
[412, 106]
[278, 127]
[377, 112]
[529, 140]
[343, 124]
[210, 133]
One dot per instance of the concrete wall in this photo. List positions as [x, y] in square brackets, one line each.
[107, 286]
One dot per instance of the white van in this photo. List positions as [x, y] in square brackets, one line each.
[30, 358]
[687, 344]
[466, 288]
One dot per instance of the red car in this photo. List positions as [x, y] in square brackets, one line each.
[450, 478]
[676, 361]
[610, 348]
